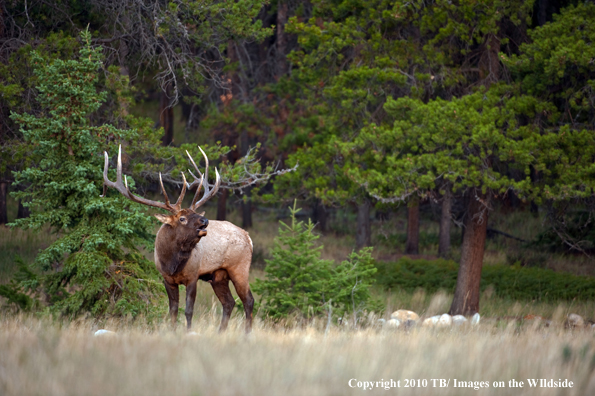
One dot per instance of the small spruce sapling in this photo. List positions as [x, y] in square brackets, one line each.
[298, 281]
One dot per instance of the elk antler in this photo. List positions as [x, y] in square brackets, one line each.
[209, 192]
[125, 191]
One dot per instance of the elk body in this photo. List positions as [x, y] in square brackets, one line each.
[185, 251]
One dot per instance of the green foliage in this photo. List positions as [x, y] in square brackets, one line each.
[14, 291]
[557, 67]
[354, 56]
[345, 70]
[95, 265]
[557, 63]
[514, 282]
[571, 228]
[475, 141]
[350, 284]
[299, 282]
[427, 239]
[17, 88]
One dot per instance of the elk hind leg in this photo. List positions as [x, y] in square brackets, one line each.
[220, 283]
[239, 277]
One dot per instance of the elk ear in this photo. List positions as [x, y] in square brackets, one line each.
[164, 219]
[201, 214]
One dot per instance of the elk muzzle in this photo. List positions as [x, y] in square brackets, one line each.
[202, 228]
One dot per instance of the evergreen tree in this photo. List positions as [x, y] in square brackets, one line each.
[299, 281]
[476, 143]
[95, 265]
[353, 55]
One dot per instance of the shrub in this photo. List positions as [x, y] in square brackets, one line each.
[299, 282]
[513, 282]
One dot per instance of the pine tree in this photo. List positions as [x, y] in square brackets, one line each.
[299, 281]
[475, 143]
[95, 265]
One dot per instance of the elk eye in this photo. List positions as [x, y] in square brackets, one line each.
[183, 220]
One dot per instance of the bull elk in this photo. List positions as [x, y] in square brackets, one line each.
[186, 252]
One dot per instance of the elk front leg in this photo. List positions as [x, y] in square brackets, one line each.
[173, 293]
[190, 298]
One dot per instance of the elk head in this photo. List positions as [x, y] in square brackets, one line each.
[184, 227]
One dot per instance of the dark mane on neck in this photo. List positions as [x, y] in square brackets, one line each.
[174, 257]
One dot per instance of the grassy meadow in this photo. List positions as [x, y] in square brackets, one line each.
[40, 355]
[45, 357]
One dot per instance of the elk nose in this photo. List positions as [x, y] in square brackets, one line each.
[205, 222]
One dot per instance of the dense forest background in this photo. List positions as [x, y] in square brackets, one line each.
[459, 108]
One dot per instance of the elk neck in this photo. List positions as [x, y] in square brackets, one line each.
[172, 251]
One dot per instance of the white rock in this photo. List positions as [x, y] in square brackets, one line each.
[444, 321]
[382, 322]
[393, 323]
[575, 320]
[103, 332]
[404, 315]
[191, 333]
[458, 320]
[475, 319]
[431, 321]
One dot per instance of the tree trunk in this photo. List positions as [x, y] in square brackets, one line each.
[23, 211]
[466, 298]
[247, 210]
[246, 205]
[540, 9]
[166, 117]
[320, 216]
[239, 88]
[281, 44]
[489, 62]
[123, 52]
[534, 179]
[445, 221]
[222, 204]
[363, 236]
[412, 246]
[382, 214]
[3, 202]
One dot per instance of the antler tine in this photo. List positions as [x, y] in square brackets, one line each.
[178, 204]
[123, 188]
[105, 178]
[196, 180]
[209, 192]
[206, 164]
[194, 164]
[204, 181]
[119, 168]
[163, 190]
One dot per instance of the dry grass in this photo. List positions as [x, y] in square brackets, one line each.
[43, 357]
